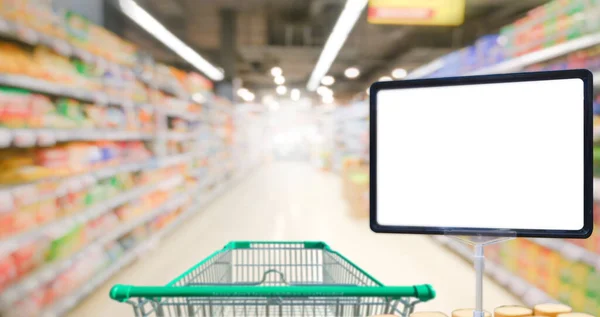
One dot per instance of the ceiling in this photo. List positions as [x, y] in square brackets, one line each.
[291, 34]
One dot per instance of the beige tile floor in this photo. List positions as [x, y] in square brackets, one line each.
[295, 201]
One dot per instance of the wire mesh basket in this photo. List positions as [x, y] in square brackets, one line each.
[273, 279]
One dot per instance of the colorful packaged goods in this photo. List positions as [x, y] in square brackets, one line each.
[97, 40]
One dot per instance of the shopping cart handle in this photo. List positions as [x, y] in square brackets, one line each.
[122, 293]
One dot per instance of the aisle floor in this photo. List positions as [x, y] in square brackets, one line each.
[295, 201]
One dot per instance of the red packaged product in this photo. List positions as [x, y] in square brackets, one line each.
[28, 257]
[8, 271]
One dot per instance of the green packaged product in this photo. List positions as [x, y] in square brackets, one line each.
[71, 110]
[65, 245]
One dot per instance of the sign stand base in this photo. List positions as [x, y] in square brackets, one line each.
[479, 242]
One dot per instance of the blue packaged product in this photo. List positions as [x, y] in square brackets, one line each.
[484, 47]
[596, 108]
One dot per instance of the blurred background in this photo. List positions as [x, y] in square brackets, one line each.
[137, 137]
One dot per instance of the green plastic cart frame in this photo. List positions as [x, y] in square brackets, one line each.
[273, 279]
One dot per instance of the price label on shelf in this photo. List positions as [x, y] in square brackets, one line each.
[28, 35]
[47, 274]
[62, 189]
[571, 251]
[24, 138]
[85, 134]
[115, 69]
[5, 138]
[518, 286]
[4, 27]
[25, 195]
[127, 104]
[46, 138]
[107, 172]
[62, 135]
[61, 47]
[101, 63]
[6, 201]
[100, 98]
[30, 285]
[75, 185]
[88, 180]
[534, 297]
[83, 55]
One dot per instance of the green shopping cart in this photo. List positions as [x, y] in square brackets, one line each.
[273, 279]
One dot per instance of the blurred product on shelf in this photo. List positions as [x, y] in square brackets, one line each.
[547, 26]
[355, 188]
[571, 281]
[102, 152]
[555, 22]
[29, 165]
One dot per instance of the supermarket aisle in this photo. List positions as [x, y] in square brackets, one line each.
[294, 201]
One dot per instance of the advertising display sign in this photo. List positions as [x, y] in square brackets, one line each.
[483, 154]
[422, 12]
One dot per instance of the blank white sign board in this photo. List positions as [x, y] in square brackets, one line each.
[488, 153]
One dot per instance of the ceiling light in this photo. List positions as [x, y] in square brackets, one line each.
[249, 97]
[281, 90]
[327, 99]
[295, 94]
[350, 14]
[385, 78]
[242, 91]
[327, 80]
[352, 72]
[279, 80]
[399, 73]
[152, 26]
[276, 71]
[324, 91]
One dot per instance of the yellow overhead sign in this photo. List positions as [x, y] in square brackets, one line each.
[417, 12]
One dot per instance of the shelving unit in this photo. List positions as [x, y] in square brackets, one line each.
[538, 270]
[530, 294]
[200, 147]
[199, 202]
[558, 50]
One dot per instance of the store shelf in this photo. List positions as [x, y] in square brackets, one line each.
[175, 159]
[50, 271]
[528, 293]
[426, 70]
[27, 193]
[46, 87]
[558, 50]
[12, 243]
[571, 251]
[48, 137]
[186, 115]
[29, 36]
[518, 63]
[65, 305]
[182, 136]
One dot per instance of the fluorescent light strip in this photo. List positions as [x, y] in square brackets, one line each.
[152, 26]
[350, 14]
